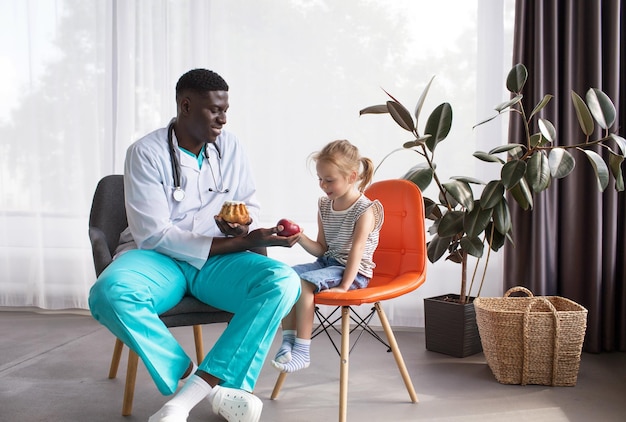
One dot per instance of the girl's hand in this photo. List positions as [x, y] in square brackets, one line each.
[337, 289]
[267, 237]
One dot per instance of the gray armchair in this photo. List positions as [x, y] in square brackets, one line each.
[106, 221]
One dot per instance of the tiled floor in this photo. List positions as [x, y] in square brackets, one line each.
[53, 367]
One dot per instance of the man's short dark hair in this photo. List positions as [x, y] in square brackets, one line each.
[201, 81]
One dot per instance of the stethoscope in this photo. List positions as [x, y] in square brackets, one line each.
[179, 193]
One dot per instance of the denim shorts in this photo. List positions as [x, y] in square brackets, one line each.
[326, 273]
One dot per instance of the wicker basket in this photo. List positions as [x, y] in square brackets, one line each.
[531, 340]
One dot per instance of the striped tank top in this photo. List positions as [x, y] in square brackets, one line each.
[338, 228]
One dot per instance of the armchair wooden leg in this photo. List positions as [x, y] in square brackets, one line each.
[396, 352]
[197, 336]
[344, 363]
[129, 388]
[115, 360]
[279, 384]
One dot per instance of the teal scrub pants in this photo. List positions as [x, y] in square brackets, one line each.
[141, 284]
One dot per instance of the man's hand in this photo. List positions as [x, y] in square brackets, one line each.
[255, 239]
[232, 229]
[267, 237]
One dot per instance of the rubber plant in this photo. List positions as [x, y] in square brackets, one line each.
[466, 221]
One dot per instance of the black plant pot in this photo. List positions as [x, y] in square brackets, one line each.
[450, 326]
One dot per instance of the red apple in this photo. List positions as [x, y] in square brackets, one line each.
[289, 227]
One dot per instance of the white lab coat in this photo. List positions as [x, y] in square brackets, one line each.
[183, 230]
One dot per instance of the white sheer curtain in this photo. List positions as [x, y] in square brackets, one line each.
[82, 79]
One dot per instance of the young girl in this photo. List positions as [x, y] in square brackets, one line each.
[348, 227]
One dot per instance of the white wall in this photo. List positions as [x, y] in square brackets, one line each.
[82, 79]
[299, 82]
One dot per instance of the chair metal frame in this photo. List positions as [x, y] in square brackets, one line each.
[361, 324]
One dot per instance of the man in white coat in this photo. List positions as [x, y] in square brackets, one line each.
[176, 180]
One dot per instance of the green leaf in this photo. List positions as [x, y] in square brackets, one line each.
[455, 257]
[446, 198]
[615, 163]
[547, 130]
[468, 179]
[492, 194]
[503, 106]
[420, 175]
[584, 116]
[437, 247]
[502, 217]
[476, 220]
[522, 194]
[377, 109]
[517, 153]
[546, 99]
[538, 172]
[431, 210]
[621, 142]
[461, 192]
[483, 156]
[485, 121]
[432, 230]
[415, 143]
[438, 125]
[473, 246]
[392, 97]
[498, 238]
[387, 156]
[516, 79]
[506, 148]
[561, 163]
[420, 101]
[420, 166]
[401, 115]
[512, 172]
[599, 166]
[536, 140]
[601, 107]
[451, 224]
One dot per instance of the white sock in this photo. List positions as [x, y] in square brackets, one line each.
[194, 390]
[284, 353]
[300, 357]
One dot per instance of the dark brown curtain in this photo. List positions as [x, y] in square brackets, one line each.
[573, 243]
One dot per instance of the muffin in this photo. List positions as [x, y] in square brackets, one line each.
[235, 212]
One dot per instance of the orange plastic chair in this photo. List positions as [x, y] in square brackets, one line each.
[400, 269]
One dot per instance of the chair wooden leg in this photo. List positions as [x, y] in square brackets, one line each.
[279, 384]
[115, 360]
[129, 388]
[396, 352]
[197, 336]
[344, 363]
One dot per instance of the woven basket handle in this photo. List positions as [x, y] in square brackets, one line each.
[518, 289]
[556, 333]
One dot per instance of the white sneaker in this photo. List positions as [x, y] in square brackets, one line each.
[236, 405]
